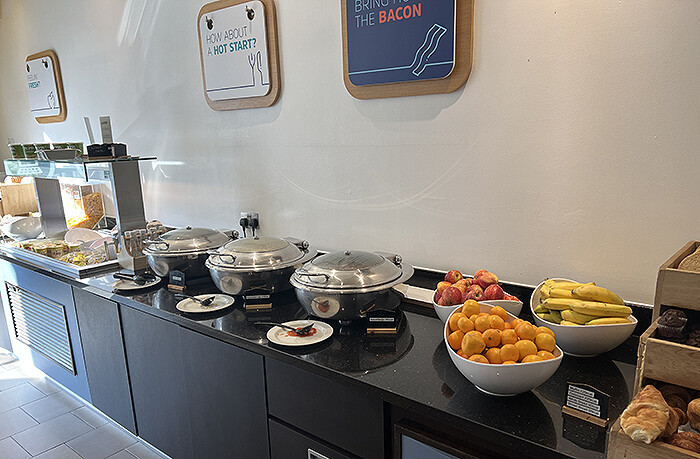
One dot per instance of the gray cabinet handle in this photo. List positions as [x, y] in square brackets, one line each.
[314, 455]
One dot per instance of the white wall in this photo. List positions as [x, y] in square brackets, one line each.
[573, 149]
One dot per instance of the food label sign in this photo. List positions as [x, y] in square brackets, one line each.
[41, 87]
[234, 52]
[391, 41]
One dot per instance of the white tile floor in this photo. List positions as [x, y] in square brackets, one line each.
[40, 419]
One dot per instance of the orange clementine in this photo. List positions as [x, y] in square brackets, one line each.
[525, 347]
[546, 355]
[494, 355]
[509, 337]
[454, 318]
[473, 317]
[482, 323]
[476, 334]
[545, 342]
[478, 358]
[484, 314]
[510, 362]
[507, 326]
[525, 331]
[461, 354]
[471, 308]
[497, 322]
[500, 312]
[532, 358]
[454, 339]
[509, 352]
[472, 344]
[544, 330]
[492, 337]
[465, 324]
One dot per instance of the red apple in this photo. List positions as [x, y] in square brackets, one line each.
[469, 281]
[452, 295]
[437, 296]
[453, 276]
[464, 295]
[462, 287]
[493, 292]
[511, 298]
[487, 279]
[475, 292]
[441, 302]
[479, 273]
[441, 286]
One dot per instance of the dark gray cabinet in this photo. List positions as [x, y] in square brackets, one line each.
[105, 362]
[333, 412]
[157, 381]
[194, 396]
[287, 443]
[226, 398]
[43, 327]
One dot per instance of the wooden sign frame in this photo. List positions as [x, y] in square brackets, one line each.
[59, 87]
[464, 33]
[273, 55]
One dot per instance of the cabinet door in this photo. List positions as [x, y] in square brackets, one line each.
[156, 373]
[226, 398]
[43, 327]
[105, 362]
[286, 443]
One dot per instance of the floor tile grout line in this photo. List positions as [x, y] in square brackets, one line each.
[68, 446]
[18, 444]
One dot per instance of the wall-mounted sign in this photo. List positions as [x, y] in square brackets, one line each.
[45, 87]
[395, 48]
[239, 54]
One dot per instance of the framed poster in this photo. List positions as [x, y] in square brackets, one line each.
[239, 54]
[45, 88]
[394, 48]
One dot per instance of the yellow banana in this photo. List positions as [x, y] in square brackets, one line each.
[609, 320]
[548, 317]
[566, 322]
[568, 285]
[541, 308]
[595, 293]
[560, 293]
[559, 304]
[577, 317]
[593, 308]
[544, 292]
[541, 315]
[556, 316]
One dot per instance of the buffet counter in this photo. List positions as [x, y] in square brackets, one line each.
[410, 375]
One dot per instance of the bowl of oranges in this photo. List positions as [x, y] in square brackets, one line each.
[499, 353]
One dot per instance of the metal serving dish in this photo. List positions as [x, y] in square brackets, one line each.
[257, 263]
[185, 250]
[345, 285]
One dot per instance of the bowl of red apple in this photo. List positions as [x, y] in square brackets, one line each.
[483, 287]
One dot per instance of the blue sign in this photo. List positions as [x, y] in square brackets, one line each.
[391, 41]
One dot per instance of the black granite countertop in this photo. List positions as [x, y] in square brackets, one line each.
[412, 370]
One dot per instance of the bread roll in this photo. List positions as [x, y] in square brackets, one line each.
[647, 416]
[691, 262]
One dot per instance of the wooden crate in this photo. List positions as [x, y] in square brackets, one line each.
[18, 198]
[666, 361]
[620, 446]
[676, 287]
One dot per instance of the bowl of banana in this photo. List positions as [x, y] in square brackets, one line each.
[587, 319]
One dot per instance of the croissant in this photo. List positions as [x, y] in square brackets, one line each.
[694, 413]
[675, 396]
[647, 416]
[686, 440]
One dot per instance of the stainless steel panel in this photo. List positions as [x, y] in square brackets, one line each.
[48, 196]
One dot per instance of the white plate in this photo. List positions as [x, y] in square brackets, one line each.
[125, 285]
[81, 235]
[278, 335]
[221, 301]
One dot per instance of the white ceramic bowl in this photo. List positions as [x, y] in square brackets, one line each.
[584, 340]
[503, 380]
[513, 307]
[21, 228]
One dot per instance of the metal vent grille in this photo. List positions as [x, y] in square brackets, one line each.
[41, 324]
